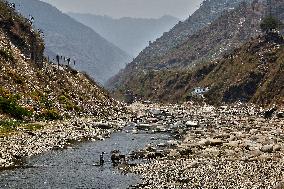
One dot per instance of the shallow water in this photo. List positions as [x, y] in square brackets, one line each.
[75, 167]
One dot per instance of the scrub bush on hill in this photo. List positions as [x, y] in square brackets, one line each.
[10, 107]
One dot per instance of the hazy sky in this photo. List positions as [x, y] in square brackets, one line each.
[129, 8]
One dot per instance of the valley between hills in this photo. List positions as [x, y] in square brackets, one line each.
[200, 107]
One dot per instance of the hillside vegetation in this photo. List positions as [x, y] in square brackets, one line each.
[33, 89]
[253, 73]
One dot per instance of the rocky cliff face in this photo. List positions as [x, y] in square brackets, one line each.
[33, 89]
[67, 37]
[170, 77]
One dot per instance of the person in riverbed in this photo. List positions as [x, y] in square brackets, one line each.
[102, 161]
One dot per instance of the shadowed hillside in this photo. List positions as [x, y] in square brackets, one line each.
[252, 73]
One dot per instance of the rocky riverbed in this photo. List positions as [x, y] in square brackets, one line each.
[224, 147]
[208, 147]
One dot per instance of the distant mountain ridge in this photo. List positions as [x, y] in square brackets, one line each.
[130, 34]
[67, 37]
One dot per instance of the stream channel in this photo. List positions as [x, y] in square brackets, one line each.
[75, 167]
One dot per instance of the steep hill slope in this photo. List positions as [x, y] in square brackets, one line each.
[207, 14]
[229, 31]
[67, 37]
[252, 73]
[31, 88]
[130, 34]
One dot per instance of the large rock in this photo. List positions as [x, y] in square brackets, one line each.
[2, 162]
[233, 144]
[267, 148]
[276, 148]
[191, 124]
[143, 126]
[215, 142]
[156, 112]
[204, 142]
[102, 125]
[210, 142]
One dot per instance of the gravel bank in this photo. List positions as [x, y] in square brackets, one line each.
[224, 147]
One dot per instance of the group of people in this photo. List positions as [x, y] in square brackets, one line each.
[65, 59]
[59, 59]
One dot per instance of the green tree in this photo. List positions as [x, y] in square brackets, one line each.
[270, 23]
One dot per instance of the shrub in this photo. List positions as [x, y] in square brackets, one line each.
[68, 104]
[62, 99]
[4, 92]
[7, 54]
[33, 127]
[270, 23]
[10, 107]
[49, 115]
[16, 77]
[46, 102]
[8, 125]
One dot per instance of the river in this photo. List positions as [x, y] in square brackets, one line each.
[75, 167]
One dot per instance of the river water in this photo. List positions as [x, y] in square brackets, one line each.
[76, 167]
